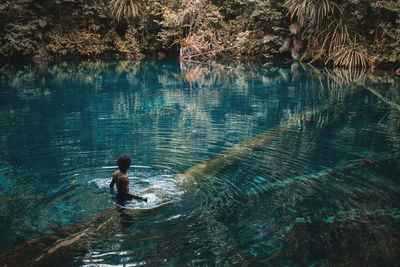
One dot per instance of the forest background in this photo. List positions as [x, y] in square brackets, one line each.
[353, 33]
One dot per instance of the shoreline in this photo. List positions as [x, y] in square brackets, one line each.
[384, 67]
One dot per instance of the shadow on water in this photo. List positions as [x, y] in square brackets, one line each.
[273, 159]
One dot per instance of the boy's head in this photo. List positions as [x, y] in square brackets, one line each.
[124, 162]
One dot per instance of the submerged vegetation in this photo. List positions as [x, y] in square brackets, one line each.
[350, 34]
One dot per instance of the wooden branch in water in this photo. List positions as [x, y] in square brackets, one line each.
[226, 158]
[55, 247]
[62, 245]
[323, 174]
[384, 99]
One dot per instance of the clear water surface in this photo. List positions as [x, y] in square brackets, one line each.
[305, 198]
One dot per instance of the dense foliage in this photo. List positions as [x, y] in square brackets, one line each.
[330, 32]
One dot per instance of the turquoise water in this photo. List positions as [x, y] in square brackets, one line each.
[305, 198]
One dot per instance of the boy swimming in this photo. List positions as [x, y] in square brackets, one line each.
[121, 179]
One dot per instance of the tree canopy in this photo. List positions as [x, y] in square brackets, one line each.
[356, 33]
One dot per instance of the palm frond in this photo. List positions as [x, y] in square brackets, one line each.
[189, 41]
[335, 37]
[350, 56]
[127, 9]
[314, 11]
[339, 46]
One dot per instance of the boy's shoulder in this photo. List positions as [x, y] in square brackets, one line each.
[120, 175]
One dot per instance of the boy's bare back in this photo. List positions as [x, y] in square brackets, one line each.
[122, 182]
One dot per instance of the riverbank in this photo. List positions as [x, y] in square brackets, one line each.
[360, 34]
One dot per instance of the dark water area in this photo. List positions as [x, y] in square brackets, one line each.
[307, 198]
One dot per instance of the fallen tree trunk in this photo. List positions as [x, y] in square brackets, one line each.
[62, 245]
[224, 159]
[323, 174]
[384, 99]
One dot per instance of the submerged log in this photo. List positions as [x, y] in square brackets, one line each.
[65, 243]
[62, 245]
[226, 158]
[384, 99]
[53, 247]
[324, 174]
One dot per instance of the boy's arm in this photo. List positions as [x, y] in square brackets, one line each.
[114, 179]
[137, 197]
[125, 187]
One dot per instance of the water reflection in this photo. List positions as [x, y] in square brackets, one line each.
[64, 122]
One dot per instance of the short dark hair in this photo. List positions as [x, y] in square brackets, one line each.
[124, 162]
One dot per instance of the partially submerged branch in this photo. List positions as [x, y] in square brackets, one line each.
[384, 99]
